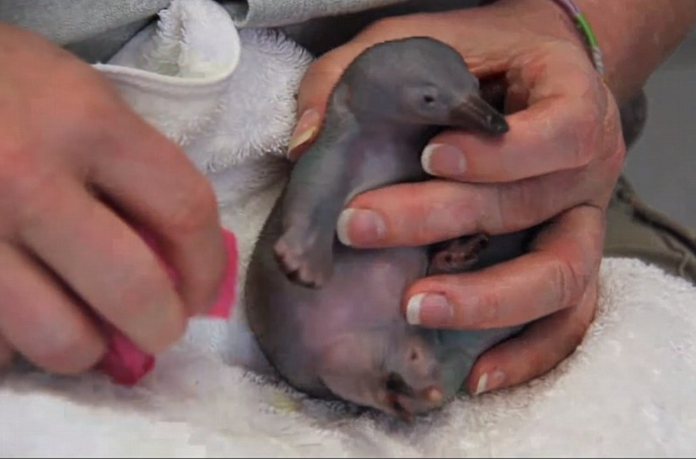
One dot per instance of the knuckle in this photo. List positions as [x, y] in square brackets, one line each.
[616, 158]
[585, 134]
[488, 311]
[86, 100]
[519, 205]
[434, 223]
[88, 120]
[537, 363]
[34, 202]
[499, 213]
[615, 151]
[24, 182]
[507, 206]
[569, 283]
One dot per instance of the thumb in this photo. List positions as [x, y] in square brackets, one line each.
[315, 89]
[321, 77]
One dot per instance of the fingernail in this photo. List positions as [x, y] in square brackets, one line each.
[306, 129]
[366, 227]
[490, 382]
[443, 160]
[428, 310]
[482, 384]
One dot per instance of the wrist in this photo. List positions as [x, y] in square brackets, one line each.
[635, 36]
[544, 17]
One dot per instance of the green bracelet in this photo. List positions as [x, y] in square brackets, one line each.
[583, 24]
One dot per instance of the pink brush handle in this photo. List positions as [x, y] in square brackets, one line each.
[125, 363]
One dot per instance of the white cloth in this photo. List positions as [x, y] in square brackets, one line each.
[227, 98]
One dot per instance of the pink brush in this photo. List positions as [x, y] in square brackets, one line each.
[126, 364]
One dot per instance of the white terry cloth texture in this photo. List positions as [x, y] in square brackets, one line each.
[226, 97]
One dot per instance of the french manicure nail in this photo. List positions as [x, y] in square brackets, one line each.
[366, 227]
[482, 384]
[490, 382]
[443, 160]
[306, 129]
[428, 310]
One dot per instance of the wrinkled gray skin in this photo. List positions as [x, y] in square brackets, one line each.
[328, 316]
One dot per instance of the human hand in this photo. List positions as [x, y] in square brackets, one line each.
[79, 171]
[557, 165]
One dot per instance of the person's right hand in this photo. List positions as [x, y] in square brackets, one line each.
[78, 171]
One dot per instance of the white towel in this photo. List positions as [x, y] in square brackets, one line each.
[627, 391]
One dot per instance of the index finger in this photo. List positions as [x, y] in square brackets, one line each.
[152, 182]
[558, 111]
[551, 277]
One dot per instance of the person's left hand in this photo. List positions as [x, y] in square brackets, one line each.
[557, 165]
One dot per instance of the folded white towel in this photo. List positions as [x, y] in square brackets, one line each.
[627, 392]
[223, 95]
[227, 98]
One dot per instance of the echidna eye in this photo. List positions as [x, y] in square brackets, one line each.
[428, 99]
